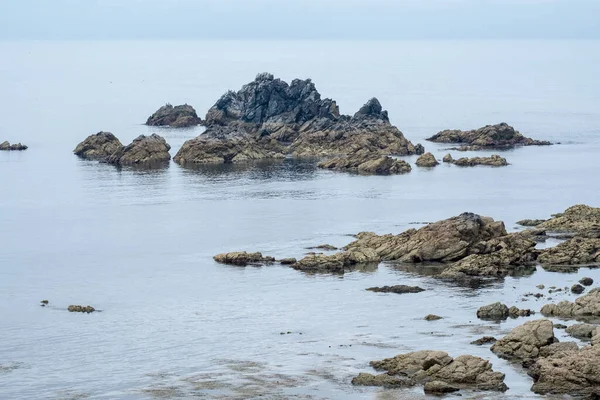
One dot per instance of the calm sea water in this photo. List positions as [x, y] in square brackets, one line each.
[138, 245]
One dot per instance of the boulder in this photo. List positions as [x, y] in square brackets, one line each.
[98, 147]
[484, 340]
[584, 307]
[575, 251]
[494, 161]
[490, 136]
[439, 387]
[176, 117]
[12, 147]
[398, 289]
[432, 317]
[448, 158]
[427, 160]
[525, 341]
[325, 247]
[422, 367]
[581, 219]
[367, 163]
[577, 289]
[495, 311]
[586, 281]
[287, 261]
[515, 312]
[583, 331]
[242, 258]
[81, 309]
[419, 149]
[530, 222]
[147, 151]
[575, 373]
[269, 118]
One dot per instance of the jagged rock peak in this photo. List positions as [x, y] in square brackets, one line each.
[372, 109]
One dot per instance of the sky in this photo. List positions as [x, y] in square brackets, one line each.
[299, 19]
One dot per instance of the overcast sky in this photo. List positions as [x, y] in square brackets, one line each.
[299, 19]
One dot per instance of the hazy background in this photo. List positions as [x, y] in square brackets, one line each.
[299, 19]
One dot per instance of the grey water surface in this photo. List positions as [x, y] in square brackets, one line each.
[138, 245]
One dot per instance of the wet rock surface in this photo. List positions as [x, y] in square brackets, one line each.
[6, 146]
[146, 151]
[484, 340]
[176, 117]
[525, 341]
[367, 163]
[98, 147]
[427, 160]
[432, 317]
[81, 309]
[576, 251]
[495, 311]
[427, 366]
[269, 118]
[490, 136]
[585, 306]
[399, 289]
[242, 258]
[494, 161]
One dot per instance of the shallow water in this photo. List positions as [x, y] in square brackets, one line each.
[138, 245]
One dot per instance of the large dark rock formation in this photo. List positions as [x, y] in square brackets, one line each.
[144, 151]
[491, 136]
[176, 117]
[269, 118]
[100, 146]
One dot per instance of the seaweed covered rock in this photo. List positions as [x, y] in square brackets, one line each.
[144, 151]
[584, 307]
[269, 118]
[176, 117]
[490, 136]
[424, 367]
[493, 161]
[367, 163]
[99, 146]
[242, 258]
[575, 251]
[6, 146]
[427, 160]
[525, 341]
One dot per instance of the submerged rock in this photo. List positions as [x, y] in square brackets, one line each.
[399, 289]
[525, 341]
[242, 258]
[146, 151]
[176, 117]
[367, 163]
[494, 161]
[269, 118]
[585, 306]
[98, 147]
[484, 340]
[81, 309]
[425, 367]
[432, 317]
[6, 146]
[490, 136]
[427, 160]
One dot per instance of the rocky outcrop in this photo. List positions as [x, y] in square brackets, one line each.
[242, 258]
[144, 151]
[269, 118]
[98, 147]
[525, 341]
[495, 311]
[577, 251]
[176, 117]
[432, 317]
[6, 146]
[398, 289]
[337, 263]
[580, 219]
[427, 160]
[583, 331]
[490, 136]
[426, 367]
[493, 161]
[367, 163]
[530, 222]
[448, 159]
[575, 373]
[584, 307]
[81, 309]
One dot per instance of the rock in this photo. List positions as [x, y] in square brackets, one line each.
[585, 306]
[490, 136]
[464, 372]
[367, 163]
[419, 149]
[484, 340]
[494, 161]
[560, 326]
[326, 247]
[176, 117]
[495, 311]
[577, 289]
[269, 118]
[438, 387]
[383, 380]
[399, 289]
[99, 147]
[515, 312]
[242, 258]
[576, 251]
[531, 222]
[81, 309]
[427, 160]
[581, 219]
[574, 373]
[432, 317]
[448, 158]
[586, 281]
[287, 261]
[556, 349]
[338, 262]
[6, 146]
[583, 331]
[147, 151]
[525, 341]
[45, 302]
[541, 287]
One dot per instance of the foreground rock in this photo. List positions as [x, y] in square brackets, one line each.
[398, 289]
[427, 160]
[574, 372]
[526, 341]
[98, 147]
[490, 136]
[176, 117]
[144, 151]
[427, 367]
[577, 251]
[269, 118]
[579, 219]
[584, 307]
[367, 163]
[81, 309]
[494, 161]
[242, 258]
[6, 146]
